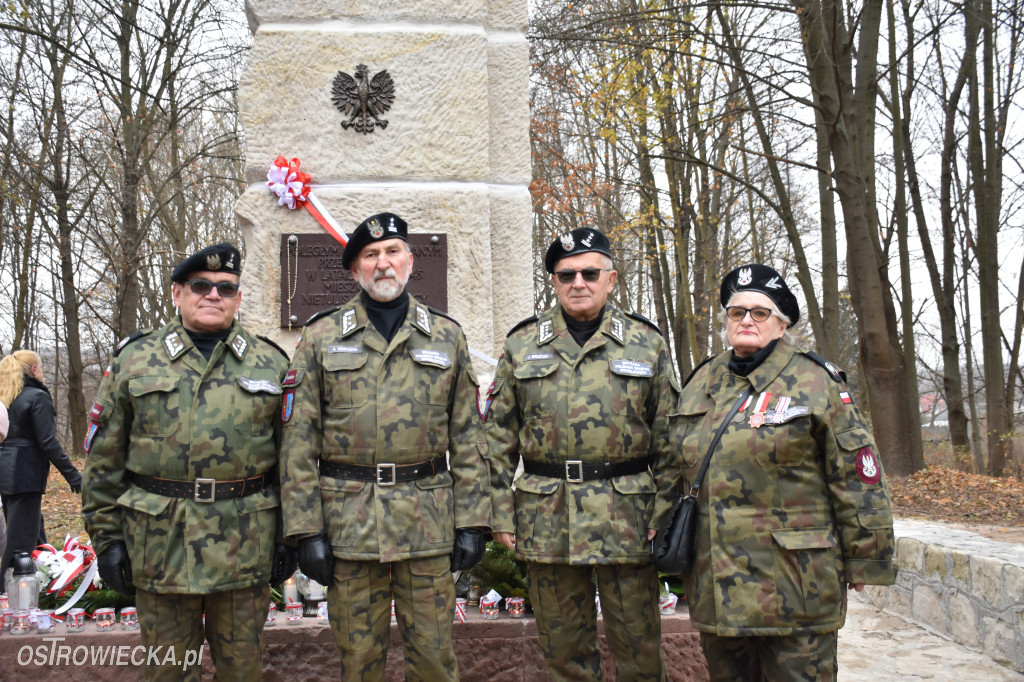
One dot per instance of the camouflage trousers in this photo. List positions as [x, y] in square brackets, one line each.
[359, 609]
[234, 630]
[563, 600]
[793, 658]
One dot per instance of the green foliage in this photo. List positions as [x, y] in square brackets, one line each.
[500, 571]
[90, 601]
[675, 584]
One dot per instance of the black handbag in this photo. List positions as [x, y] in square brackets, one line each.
[672, 551]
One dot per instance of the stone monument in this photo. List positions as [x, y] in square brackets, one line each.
[418, 107]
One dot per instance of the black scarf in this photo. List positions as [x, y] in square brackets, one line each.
[386, 316]
[582, 331]
[745, 365]
[205, 342]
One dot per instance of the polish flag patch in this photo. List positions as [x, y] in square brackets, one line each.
[845, 397]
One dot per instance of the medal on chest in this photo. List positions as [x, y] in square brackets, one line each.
[760, 408]
[739, 418]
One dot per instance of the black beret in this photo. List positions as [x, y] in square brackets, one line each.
[764, 280]
[223, 257]
[580, 240]
[376, 228]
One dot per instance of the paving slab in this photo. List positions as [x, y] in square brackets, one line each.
[876, 645]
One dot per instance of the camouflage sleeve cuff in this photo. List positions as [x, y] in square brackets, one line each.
[870, 572]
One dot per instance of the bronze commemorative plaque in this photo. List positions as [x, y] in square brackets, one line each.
[313, 279]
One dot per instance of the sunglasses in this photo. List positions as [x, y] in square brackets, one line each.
[589, 275]
[738, 312]
[201, 287]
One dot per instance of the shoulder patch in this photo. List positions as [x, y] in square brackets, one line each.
[520, 325]
[130, 339]
[323, 313]
[274, 345]
[444, 315]
[838, 375]
[641, 318]
[697, 368]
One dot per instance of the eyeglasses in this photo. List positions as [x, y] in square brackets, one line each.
[738, 312]
[589, 274]
[201, 287]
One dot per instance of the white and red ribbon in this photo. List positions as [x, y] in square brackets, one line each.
[64, 566]
[293, 190]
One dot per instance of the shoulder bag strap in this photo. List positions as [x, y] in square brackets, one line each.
[718, 436]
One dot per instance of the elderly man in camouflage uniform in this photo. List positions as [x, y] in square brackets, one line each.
[582, 396]
[180, 495]
[385, 477]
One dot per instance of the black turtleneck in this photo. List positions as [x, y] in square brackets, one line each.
[386, 316]
[582, 331]
[206, 341]
[745, 365]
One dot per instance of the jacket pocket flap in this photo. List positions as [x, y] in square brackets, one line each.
[138, 386]
[852, 440]
[267, 499]
[442, 480]
[633, 485]
[536, 369]
[541, 485]
[875, 519]
[804, 538]
[341, 362]
[142, 501]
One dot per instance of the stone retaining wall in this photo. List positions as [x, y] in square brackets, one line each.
[961, 585]
[504, 650]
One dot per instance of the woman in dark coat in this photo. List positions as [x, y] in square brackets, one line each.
[27, 451]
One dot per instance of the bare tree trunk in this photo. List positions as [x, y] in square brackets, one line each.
[983, 158]
[896, 428]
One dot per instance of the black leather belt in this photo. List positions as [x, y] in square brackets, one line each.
[384, 474]
[577, 471]
[201, 489]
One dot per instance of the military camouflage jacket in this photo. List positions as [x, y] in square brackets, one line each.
[791, 510]
[552, 401]
[353, 398]
[163, 411]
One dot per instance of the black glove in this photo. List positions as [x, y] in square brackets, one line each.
[116, 568]
[76, 484]
[315, 558]
[286, 559]
[470, 544]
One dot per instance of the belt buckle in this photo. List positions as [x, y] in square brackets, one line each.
[197, 494]
[386, 474]
[578, 477]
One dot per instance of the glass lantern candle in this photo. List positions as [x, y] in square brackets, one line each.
[490, 608]
[516, 606]
[293, 613]
[74, 621]
[20, 623]
[23, 585]
[104, 619]
[272, 614]
[129, 618]
[45, 622]
[7, 615]
[5, 603]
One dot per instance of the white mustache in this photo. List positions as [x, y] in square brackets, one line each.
[380, 274]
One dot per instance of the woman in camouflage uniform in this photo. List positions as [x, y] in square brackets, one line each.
[794, 507]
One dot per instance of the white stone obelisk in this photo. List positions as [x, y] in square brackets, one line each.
[454, 158]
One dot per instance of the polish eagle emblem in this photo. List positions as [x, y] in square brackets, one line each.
[362, 99]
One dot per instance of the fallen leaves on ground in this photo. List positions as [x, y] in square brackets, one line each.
[941, 494]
